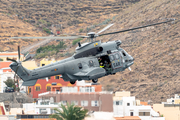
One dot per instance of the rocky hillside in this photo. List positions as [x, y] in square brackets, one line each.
[64, 13]
[11, 26]
[155, 74]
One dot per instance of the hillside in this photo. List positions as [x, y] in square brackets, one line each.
[61, 14]
[11, 26]
[155, 74]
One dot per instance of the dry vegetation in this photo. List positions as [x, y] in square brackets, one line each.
[11, 26]
[155, 74]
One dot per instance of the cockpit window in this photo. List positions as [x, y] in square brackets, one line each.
[80, 65]
[123, 53]
[117, 56]
[112, 57]
[91, 63]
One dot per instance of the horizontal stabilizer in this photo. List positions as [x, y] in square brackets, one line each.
[29, 83]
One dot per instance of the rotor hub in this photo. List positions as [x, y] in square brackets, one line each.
[92, 34]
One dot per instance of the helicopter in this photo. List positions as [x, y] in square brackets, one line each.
[91, 60]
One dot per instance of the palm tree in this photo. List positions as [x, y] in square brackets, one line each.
[69, 112]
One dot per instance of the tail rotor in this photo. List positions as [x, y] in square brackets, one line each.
[18, 63]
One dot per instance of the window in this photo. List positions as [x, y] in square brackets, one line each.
[131, 113]
[52, 111]
[94, 103]
[49, 77]
[117, 102]
[117, 56]
[111, 57]
[91, 63]
[123, 53]
[29, 90]
[44, 103]
[74, 102]
[38, 88]
[87, 89]
[43, 64]
[80, 65]
[84, 103]
[144, 113]
[57, 77]
[48, 88]
[128, 104]
[41, 110]
[64, 102]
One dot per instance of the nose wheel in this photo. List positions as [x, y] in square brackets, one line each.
[94, 80]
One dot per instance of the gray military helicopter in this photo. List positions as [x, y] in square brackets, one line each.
[91, 60]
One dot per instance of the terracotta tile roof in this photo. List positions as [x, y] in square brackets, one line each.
[144, 103]
[128, 118]
[5, 64]
[8, 53]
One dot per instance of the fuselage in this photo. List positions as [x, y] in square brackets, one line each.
[84, 64]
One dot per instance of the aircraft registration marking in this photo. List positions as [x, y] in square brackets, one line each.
[116, 64]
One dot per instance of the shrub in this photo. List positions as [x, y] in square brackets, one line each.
[76, 41]
[80, 30]
[47, 30]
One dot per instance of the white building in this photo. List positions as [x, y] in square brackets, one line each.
[42, 106]
[5, 73]
[126, 106]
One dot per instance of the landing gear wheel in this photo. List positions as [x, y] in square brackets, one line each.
[95, 80]
[72, 82]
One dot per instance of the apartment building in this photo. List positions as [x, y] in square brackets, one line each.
[90, 97]
[170, 109]
[129, 106]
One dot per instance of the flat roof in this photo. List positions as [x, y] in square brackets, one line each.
[128, 118]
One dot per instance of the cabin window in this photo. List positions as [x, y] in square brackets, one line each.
[112, 57]
[117, 56]
[80, 65]
[91, 63]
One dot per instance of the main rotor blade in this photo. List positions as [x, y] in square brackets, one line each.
[19, 53]
[108, 26]
[11, 59]
[136, 28]
[56, 37]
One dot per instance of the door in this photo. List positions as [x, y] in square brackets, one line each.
[116, 60]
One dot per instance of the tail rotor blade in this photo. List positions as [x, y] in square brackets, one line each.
[19, 53]
[26, 59]
[11, 59]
